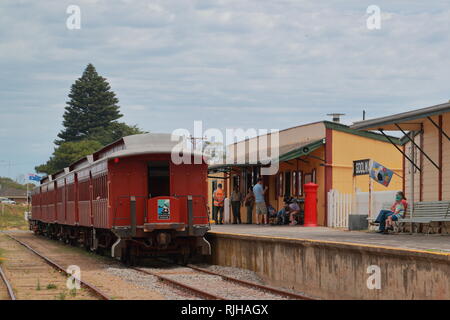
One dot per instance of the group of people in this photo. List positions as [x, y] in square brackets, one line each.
[254, 197]
[291, 209]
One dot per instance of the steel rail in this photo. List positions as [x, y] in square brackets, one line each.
[87, 285]
[246, 283]
[196, 291]
[253, 285]
[8, 285]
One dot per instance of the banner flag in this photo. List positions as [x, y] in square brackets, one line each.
[380, 174]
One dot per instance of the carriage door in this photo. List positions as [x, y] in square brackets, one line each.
[158, 179]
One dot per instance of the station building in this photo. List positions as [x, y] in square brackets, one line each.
[320, 152]
[425, 149]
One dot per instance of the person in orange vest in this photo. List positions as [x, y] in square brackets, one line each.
[219, 198]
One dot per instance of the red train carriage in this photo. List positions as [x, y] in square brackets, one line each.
[128, 198]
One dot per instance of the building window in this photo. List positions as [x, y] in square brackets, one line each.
[287, 184]
[236, 182]
[294, 183]
[300, 183]
[308, 178]
[279, 184]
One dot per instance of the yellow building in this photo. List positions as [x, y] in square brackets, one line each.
[321, 152]
[427, 160]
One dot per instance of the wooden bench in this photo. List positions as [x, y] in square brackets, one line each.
[428, 213]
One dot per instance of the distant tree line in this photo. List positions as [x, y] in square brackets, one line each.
[90, 122]
[8, 183]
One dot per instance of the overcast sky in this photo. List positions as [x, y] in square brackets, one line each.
[230, 63]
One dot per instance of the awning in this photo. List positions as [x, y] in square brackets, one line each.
[286, 153]
[409, 121]
[301, 151]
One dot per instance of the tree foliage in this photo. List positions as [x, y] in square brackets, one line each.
[67, 153]
[10, 183]
[90, 121]
[92, 106]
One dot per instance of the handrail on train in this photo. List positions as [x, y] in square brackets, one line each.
[115, 218]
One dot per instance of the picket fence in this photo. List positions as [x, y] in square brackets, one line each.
[341, 205]
[339, 208]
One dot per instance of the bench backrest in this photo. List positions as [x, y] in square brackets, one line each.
[430, 208]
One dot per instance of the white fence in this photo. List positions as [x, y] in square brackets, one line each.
[341, 205]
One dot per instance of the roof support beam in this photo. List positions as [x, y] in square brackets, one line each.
[439, 128]
[419, 148]
[315, 157]
[400, 150]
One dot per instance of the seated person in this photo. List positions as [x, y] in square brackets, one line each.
[283, 214]
[271, 212]
[386, 217]
[294, 209]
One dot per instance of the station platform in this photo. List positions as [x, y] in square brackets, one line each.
[430, 243]
[328, 263]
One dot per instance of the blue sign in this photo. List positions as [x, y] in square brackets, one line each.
[34, 177]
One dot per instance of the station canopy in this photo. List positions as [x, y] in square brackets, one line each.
[286, 153]
[411, 121]
[407, 121]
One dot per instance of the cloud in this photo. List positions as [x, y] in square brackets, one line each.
[230, 63]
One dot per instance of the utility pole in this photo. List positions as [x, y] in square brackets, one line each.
[194, 141]
[8, 164]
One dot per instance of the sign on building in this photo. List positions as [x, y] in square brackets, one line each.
[361, 167]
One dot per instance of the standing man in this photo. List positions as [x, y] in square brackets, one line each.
[219, 197]
[261, 209]
[236, 202]
[249, 202]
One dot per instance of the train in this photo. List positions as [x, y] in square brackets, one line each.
[129, 200]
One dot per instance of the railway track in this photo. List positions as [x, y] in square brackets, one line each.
[211, 285]
[180, 285]
[91, 288]
[186, 281]
[7, 285]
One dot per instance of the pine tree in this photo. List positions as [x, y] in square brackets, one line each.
[90, 122]
[92, 107]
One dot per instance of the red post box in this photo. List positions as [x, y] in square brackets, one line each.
[310, 204]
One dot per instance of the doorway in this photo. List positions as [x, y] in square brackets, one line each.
[158, 179]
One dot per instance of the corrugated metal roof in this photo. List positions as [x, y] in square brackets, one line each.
[303, 150]
[404, 117]
[147, 143]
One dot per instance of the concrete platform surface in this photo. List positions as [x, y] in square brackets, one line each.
[422, 242]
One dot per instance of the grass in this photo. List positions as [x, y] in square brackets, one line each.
[51, 286]
[2, 253]
[62, 296]
[12, 217]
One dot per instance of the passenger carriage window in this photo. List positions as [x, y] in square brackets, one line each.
[158, 179]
